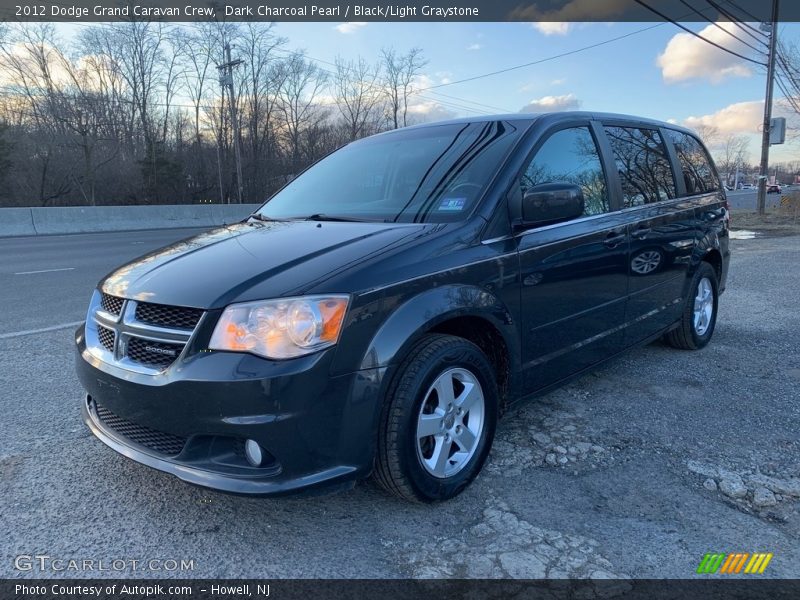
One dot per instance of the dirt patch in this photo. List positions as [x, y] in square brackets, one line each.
[776, 222]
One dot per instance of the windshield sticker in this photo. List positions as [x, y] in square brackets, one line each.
[452, 204]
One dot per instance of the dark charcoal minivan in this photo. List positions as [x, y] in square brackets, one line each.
[380, 312]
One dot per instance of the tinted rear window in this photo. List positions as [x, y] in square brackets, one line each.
[642, 164]
[697, 172]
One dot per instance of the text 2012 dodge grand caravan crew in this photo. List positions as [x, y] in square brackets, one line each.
[379, 313]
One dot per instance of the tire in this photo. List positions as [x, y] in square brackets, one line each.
[691, 333]
[407, 464]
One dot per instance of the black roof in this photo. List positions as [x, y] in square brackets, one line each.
[557, 116]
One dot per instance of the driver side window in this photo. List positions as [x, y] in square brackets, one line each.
[570, 155]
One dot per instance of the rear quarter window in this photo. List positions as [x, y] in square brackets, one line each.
[697, 171]
[642, 164]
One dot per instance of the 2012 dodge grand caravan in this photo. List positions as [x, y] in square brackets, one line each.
[379, 313]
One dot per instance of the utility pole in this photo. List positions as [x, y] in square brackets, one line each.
[226, 81]
[764, 169]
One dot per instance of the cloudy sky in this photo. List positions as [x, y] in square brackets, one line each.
[661, 72]
[657, 71]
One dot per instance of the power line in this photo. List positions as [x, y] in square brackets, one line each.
[785, 68]
[745, 27]
[721, 28]
[789, 97]
[742, 9]
[543, 60]
[697, 35]
[414, 92]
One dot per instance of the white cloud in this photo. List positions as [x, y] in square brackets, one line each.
[351, 27]
[427, 111]
[558, 81]
[443, 77]
[552, 27]
[689, 57]
[738, 118]
[552, 104]
[474, 47]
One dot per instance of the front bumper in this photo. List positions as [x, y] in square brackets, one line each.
[317, 430]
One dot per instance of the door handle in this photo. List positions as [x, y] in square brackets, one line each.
[641, 233]
[614, 239]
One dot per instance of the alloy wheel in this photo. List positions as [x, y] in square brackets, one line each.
[703, 306]
[450, 423]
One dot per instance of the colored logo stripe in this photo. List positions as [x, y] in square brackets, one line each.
[758, 563]
[729, 564]
[734, 563]
[710, 563]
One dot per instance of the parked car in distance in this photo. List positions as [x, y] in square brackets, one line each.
[382, 311]
[774, 188]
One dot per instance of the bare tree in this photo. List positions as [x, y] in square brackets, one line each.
[732, 154]
[262, 77]
[399, 72]
[64, 97]
[303, 82]
[98, 119]
[358, 96]
[708, 133]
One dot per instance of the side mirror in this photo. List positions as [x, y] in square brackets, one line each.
[551, 203]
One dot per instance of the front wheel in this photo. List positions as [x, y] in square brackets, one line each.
[699, 313]
[439, 420]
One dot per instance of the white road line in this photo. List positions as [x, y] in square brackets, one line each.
[14, 334]
[45, 271]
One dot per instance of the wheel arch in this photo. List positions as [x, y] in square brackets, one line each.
[464, 311]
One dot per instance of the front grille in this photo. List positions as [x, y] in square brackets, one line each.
[164, 443]
[177, 317]
[111, 304]
[141, 336]
[106, 337]
[149, 352]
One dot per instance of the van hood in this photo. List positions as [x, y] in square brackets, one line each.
[254, 260]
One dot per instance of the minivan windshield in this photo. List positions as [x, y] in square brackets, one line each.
[430, 174]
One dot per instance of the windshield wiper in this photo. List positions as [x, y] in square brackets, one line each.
[324, 217]
[260, 217]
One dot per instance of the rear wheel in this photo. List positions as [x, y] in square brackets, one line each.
[439, 420]
[699, 313]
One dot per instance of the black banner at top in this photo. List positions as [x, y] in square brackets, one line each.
[753, 11]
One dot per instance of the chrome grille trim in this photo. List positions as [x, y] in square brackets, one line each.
[125, 328]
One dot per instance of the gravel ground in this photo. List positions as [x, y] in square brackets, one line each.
[634, 470]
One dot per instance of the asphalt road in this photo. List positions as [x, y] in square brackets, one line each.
[662, 452]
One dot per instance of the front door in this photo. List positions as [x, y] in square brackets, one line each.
[573, 274]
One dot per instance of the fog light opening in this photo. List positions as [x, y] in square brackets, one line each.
[253, 453]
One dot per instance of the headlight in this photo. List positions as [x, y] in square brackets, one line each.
[282, 328]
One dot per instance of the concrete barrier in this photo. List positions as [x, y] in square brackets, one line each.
[88, 219]
[16, 221]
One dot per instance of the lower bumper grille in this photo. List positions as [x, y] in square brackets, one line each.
[163, 443]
